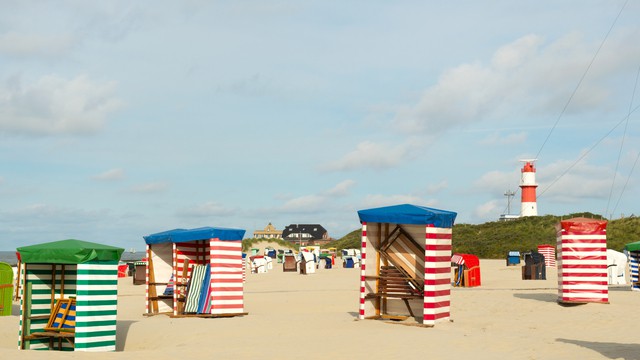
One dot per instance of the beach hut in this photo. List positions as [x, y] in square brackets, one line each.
[582, 264]
[534, 266]
[466, 270]
[633, 249]
[406, 263]
[616, 267]
[6, 288]
[69, 296]
[513, 258]
[307, 263]
[206, 267]
[549, 253]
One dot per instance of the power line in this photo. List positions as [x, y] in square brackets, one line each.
[580, 82]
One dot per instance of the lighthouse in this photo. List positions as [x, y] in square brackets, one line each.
[528, 189]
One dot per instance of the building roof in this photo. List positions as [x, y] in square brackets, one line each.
[315, 231]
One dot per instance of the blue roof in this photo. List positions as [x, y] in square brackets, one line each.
[409, 214]
[203, 233]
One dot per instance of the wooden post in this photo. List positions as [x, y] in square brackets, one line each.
[153, 294]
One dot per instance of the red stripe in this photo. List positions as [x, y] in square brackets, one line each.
[442, 270]
[565, 274]
[437, 293]
[573, 291]
[432, 317]
[528, 193]
[436, 305]
[438, 259]
[222, 297]
[362, 289]
[569, 233]
[438, 247]
[432, 282]
[228, 306]
[361, 312]
[582, 266]
[584, 257]
[578, 299]
[584, 283]
[440, 236]
[363, 256]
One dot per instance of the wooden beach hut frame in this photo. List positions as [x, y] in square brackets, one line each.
[406, 263]
[174, 255]
[68, 296]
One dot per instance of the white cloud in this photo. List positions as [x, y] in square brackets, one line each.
[583, 181]
[21, 44]
[497, 182]
[371, 155]
[150, 188]
[340, 190]
[55, 105]
[207, 209]
[508, 139]
[376, 200]
[110, 175]
[524, 77]
[435, 188]
[490, 210]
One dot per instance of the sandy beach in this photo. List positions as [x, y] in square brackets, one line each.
[315, 317]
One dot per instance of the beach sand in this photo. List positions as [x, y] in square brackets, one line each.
[293, 316]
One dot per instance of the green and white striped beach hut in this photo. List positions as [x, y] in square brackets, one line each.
[69, 270]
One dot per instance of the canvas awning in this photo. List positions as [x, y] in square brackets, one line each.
[408, 214]
[203, 233]
[634, 246]
[69, 251]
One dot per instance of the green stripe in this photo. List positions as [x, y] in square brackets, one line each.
[97, 292]
[48, 282]
[90, 302]
[95, 323]
[97, 313]
[95, 334]
[96, 344]
[113, 271]
[97, 282]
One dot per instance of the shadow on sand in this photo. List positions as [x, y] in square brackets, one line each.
[538, 297]
[608, 349]
[123, 330]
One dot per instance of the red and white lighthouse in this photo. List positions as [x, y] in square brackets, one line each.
[528, 189]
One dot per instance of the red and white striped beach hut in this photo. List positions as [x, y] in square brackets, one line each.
[197, 272]
[406, 263]
[582, 261]
[549, 252]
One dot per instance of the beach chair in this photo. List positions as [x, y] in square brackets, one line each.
[289, 263]
[61, 325]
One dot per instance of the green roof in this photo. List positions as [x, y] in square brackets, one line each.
[634, 246]
[69, 251]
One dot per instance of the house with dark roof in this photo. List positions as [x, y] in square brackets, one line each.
[306, 234]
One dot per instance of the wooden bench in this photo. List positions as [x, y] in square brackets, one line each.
[392, 283]
[61, 325]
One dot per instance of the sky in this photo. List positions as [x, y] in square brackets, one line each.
[119, 119]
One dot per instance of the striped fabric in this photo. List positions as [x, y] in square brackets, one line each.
[96, 307]
[227, 269]
[195, 287]
[582, 268]
[634, 260]
[363, 271]
[437, 275]
[95, 289]
[549, 253]
[38, 278]
[457, 259]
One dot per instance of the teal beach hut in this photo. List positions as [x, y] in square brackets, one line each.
[69, 296]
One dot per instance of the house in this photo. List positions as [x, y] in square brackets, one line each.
[306, 234]
[269, 232]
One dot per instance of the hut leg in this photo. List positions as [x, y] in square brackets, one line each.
[153, 295]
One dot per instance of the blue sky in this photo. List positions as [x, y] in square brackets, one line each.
[120, 119]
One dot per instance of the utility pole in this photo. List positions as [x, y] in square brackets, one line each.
[509, 194]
